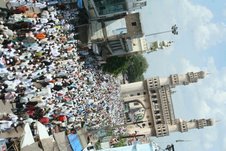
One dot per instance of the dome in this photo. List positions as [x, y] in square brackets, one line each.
[202, 74]
[210, 122]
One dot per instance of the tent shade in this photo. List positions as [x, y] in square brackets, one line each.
[75, 142]
[80, 3]
[27, 138]
[48, 144]
[32, 147]
[62, 141]
[42, 131]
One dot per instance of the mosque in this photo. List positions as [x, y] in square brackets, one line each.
[149, 107]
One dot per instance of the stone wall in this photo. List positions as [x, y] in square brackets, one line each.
[133, 24]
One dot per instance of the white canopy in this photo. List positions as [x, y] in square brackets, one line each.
[27, 138]
[42, 131]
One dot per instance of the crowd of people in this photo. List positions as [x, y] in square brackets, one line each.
[48, 75]
[31, 3]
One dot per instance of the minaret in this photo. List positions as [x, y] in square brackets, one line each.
[184, 79]
[157, 45]
[156, 82]
[161, 130]
[184, 126]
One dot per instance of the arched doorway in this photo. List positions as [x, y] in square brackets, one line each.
[134, 111]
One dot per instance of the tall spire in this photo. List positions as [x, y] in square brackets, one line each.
[183, 79]
[157, 45]
[184, 126]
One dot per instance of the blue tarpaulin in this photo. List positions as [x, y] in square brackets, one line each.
[80, 3]
[75, 142]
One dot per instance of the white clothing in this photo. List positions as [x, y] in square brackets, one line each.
[44, 20]
[54, 52]
[4, 125]
[29, 121]
[45, 92]
[13, 117]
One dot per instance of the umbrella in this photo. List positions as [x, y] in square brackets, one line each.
[62, 118]
[40, 36]
[44, 120]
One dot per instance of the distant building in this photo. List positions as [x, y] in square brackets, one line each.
[112, 23]
[101, 9]
[149, 107]
[115, 37]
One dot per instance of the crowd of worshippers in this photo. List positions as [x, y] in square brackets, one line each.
[49, 76]
[30, 3]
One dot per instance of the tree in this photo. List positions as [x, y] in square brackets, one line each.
[116, 65]
[122, 142]
[137, 66]
[133, 66]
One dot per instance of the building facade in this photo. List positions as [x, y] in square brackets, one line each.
[102, 9]
[133, 46]
[112, 37]
[149, 107]
[140, 45]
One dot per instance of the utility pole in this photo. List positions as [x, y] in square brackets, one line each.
[181, 140]
[173, 30]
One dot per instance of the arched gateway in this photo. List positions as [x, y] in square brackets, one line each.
[149, 107]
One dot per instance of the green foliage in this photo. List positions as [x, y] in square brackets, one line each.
[138, 65]
[122, 142]
[116, 65]
[97, 145]
[110, 133]
[134, 66]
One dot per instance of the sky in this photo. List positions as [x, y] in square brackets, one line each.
[200, 45]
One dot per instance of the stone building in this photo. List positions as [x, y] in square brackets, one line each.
[149, 107]
[135, 46]
[140, 45]
[102, 9]
[110, 26]
[112, 37]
